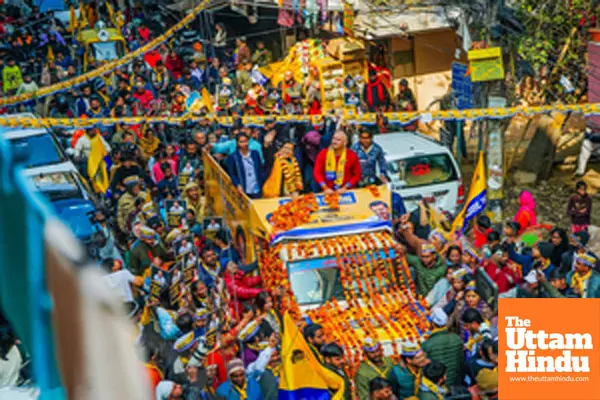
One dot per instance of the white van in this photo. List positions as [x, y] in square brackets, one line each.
[422, 169]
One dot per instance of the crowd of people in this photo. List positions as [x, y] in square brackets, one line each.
[39, 50]
[210, 329]
[206, 324]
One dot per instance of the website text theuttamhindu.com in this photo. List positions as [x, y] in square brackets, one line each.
[549, 379]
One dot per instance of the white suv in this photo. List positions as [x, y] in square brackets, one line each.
[422, 169]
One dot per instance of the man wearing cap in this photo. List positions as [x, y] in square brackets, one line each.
[375, 365]
[445, 347]
[201, 318]
[145, 250]
[428, 268]
[239, 386]
[528, 289]
[189, 348]
[126, 203]
[333, 355]
[250, 338]
[315, 337]
[168, 390]
[406, 376]
[577, 245]
[584, 281]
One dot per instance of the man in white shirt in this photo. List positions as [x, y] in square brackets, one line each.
[84, 144]
[120, 280]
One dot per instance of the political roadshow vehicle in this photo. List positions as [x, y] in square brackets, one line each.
[339, 268]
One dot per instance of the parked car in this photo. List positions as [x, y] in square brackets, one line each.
[36, 147]
[421, 169]
[73, 201]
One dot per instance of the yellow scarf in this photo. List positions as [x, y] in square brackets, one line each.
[286, 172]
[545, 265]
[335, 172]
[433, 388]
[578, 281]
[473, 340]
[382, 373]
[214, 273]
[418, 377]
[242, 390]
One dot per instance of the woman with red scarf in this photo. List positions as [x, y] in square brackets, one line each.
[174, 64]
[375, 94]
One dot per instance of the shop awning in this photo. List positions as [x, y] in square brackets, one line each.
[372, 24]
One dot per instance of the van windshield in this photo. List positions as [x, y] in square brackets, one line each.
[423, 170]
[106, 51]
[318, 285]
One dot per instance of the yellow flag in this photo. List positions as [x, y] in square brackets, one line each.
[50, 54]
[72, 20]
[302, 375]
[97, 165]
[207, 101]
[476, 201]
[83, 22]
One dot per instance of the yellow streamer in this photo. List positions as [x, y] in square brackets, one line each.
[587, 109]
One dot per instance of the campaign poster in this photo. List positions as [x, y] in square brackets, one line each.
[175, 212]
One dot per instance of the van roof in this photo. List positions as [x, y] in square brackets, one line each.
[407, 144]
[65, 167]
[11, 134]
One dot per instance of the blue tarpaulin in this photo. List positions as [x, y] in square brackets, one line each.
[52, 5]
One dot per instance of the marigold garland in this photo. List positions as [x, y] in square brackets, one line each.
[294, 213]
[333, 200]
[377, 287]
[292, 177]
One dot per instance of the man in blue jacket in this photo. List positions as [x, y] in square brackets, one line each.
[239, 386]
[245, 168]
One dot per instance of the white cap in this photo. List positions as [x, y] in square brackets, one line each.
[439, 317]
[531, 277]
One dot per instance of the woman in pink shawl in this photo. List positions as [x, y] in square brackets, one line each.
[526, 216]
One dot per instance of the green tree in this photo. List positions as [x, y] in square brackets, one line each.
[555, 42]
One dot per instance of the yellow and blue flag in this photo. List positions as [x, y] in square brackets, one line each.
[477, 199]
[97, 170]
[302, 375]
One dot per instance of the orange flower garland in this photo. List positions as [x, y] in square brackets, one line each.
[379, 291]
[333, 200]
[295, 213]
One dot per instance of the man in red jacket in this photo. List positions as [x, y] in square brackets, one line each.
[494, 267]
[337, 168]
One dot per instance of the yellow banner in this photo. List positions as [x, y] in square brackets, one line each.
[359, 211]
[223, 199]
